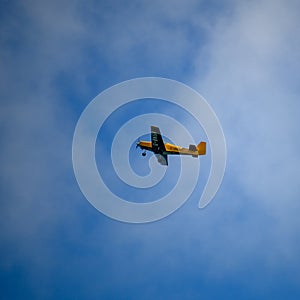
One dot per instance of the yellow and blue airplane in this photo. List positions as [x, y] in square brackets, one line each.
[162, 150]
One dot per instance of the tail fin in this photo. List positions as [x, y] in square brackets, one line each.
[201, 148]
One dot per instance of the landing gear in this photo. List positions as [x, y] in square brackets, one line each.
[144, 153]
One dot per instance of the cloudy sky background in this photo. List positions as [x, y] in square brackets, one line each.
[243, 57]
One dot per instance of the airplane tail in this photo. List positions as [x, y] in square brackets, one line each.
[201, 148]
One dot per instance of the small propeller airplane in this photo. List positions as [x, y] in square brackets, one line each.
[162, 150]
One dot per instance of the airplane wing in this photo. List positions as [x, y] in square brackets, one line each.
[158, 145]
[162, 159]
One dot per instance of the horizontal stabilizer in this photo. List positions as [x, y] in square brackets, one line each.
[192, 148]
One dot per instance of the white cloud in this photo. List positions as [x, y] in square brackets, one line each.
[246, 77]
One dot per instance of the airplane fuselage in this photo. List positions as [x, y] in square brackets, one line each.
[170, 149]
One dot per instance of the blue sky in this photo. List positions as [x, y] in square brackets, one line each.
[243, 57]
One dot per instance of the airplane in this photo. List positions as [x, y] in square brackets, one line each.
[162, 150]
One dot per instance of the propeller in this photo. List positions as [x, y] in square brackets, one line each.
[137, 144]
